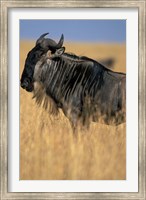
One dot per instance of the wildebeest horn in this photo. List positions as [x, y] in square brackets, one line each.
[41, 38]
[60, 43]
[48, 43]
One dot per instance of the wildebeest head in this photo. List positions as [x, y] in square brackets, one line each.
[41, 48]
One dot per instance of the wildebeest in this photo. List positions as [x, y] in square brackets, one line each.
[84, 89]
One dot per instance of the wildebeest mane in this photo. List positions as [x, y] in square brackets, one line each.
[75, 58]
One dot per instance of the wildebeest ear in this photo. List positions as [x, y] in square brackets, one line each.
[60, 51]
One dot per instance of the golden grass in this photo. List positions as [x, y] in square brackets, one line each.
[48, 150]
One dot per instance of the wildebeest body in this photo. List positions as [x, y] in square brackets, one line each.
[84, 89]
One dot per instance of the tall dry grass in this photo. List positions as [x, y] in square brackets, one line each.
[47, 146]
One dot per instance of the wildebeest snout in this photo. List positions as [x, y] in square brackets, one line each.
[27, 85]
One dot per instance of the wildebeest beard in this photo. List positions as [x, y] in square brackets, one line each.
[32, 58]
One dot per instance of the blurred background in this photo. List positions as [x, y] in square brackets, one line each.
[103, 31]
[47, 148]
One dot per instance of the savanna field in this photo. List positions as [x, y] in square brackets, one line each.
[48, 150]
